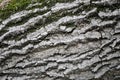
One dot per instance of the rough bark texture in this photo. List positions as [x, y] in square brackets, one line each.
[62, 40]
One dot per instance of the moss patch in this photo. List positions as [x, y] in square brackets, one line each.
[12, 7]
[1, 1]
[17, 5]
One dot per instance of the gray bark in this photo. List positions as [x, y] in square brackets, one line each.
[63, 40]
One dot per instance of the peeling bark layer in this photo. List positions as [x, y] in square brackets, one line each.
[63, 40]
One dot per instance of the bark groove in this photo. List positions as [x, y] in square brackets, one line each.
[67, 40]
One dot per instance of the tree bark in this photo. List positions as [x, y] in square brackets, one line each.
[62, 40]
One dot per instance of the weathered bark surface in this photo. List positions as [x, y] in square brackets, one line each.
[63, 40]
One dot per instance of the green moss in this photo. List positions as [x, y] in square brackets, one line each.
[12, 7]
[17, 5]
[1, 1]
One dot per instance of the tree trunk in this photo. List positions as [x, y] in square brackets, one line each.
[62, 40]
